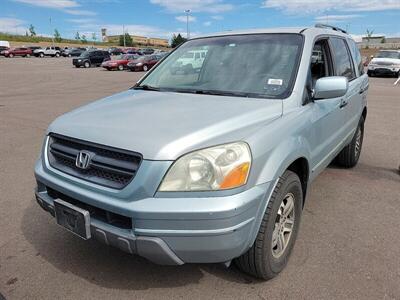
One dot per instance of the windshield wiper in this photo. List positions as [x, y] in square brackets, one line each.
[222, 93]
[146, 87]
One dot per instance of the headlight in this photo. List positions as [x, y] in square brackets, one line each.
[79, 59]
[139, 64]
[216, 168]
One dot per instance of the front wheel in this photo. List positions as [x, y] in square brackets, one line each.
[41, 54]
[278, 230]
[57, 54]
[28, 55]
[86, 64]
[350, 154]
[121, 67]
[145, 68]
[11, 55]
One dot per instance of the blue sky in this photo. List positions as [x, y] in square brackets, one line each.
[162, 18]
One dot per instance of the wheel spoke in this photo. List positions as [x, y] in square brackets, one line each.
[288, 207]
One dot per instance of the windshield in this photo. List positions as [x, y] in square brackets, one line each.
[85, 54]
[388, 54]
[257, 65]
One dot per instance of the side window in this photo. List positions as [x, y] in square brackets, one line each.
[342, 59]
[357, 56]
[321, 65]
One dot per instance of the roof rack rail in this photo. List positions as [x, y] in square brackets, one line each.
[319, 25]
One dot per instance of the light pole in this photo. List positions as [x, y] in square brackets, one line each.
[187, 23]
[52, 36]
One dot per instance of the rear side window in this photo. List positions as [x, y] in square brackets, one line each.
[342, 59]
[357, 56]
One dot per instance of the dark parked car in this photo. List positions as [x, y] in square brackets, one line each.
[22, 51]
[147, 51]
[143, 63]
[91, 58]
[73, 52]
[33, 48]
[120, 63]
[115, 51]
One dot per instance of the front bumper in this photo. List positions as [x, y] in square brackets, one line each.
[384, 70]
[167, 229]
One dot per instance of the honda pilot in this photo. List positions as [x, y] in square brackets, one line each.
[213, 165]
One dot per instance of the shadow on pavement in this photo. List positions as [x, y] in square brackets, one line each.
[109, 267]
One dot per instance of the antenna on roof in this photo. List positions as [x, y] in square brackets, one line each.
[319, 25]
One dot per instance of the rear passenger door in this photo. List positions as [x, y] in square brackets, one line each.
[344, 66]
[356, 104]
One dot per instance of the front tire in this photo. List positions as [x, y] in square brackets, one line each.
[271, 250]
[121, 67]
[57, 54]
[86, 64]
[350, 154]
[11, 55]
[28, 55]
[145, 68]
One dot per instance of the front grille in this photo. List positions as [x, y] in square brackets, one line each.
[97, 213]
[108, 166]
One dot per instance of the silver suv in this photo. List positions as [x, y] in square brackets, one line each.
[210, 163]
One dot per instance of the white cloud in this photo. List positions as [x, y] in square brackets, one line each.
[208, 23]
[217, 17]
[81, 12]
[68, 6]
[312, 6]
[183, 19]
[12, 25]
[210, 6]
[336, 18]
[59, 4]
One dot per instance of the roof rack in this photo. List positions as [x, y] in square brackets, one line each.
[319, 25]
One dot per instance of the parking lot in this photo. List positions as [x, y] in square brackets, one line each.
[348, 245]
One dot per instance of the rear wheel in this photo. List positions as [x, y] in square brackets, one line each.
[278, 230]
[41, 54]
[86, 64]
[370, 74]
[350, 154]
[121, 67]
[28, 55]
[11, 55]
[57, 54]
[145, 68]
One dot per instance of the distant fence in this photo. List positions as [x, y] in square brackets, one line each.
[379, 45]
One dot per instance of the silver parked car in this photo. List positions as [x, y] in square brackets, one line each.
[210, 164]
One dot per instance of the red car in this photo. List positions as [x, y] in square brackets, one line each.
[26, 52]
[119, 64]
[144, 63]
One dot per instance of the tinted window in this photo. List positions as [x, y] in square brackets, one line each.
[268, 60]
[343, 63]
[357, 56]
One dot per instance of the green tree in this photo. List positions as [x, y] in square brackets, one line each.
[77, 36]
[383, 40]
[177, 40]
[57, 36]
[83, 39]
[128, 40]
[32, 30]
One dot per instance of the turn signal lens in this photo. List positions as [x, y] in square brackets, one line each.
[236, 177]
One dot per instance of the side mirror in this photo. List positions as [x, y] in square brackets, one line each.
[330, 87]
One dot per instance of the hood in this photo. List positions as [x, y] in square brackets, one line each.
[166, 125]
[385, 61]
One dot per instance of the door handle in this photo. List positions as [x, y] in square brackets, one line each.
[343, 104]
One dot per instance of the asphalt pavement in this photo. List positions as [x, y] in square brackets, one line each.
[348, 246]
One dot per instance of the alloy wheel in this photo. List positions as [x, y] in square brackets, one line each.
[284, 223]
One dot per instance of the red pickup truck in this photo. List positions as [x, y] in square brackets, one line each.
[26, 52]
